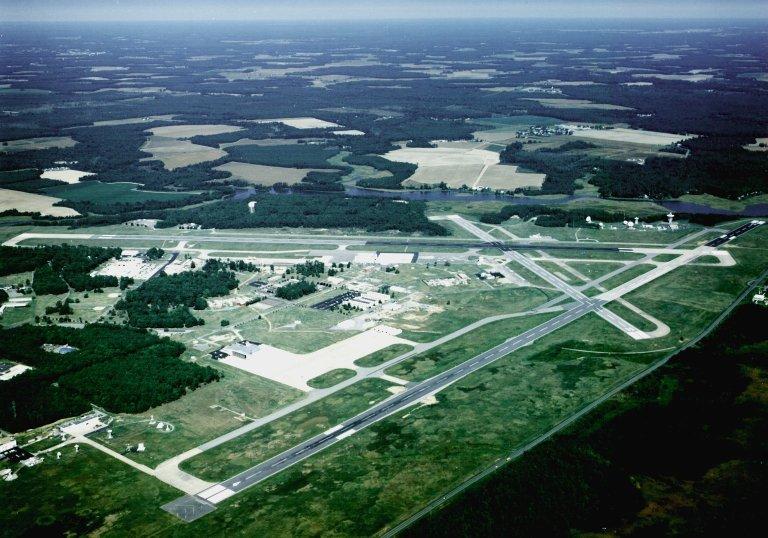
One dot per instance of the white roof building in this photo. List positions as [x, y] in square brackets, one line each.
[244, 349]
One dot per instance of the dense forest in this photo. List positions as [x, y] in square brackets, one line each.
[311, 211]
[59, 267]
[164, 301]
[120, 369]
[716, 165]
[682, 452]
[562, 168]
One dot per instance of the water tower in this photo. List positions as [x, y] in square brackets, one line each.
[670, 216]
[252, 206]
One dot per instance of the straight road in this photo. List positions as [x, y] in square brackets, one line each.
[184, 507]
[191, 507]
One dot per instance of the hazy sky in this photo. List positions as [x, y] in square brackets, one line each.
[99, 10]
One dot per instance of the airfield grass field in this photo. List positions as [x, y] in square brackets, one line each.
[202, 415]
[85, 493]
[360, 485]
[329, 379]
[383, 355]
[239, 454]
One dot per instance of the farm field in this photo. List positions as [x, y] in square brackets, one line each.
[45, 142]
[33, 203]
[258, 174]
[169, 144]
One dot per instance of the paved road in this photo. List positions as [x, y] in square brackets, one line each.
[185, 506]
[492, 243]
[192, 507]
[735, 233]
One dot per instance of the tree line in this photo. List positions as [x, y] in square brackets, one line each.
[311, 211]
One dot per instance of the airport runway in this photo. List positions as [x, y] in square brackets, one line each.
[191, 507]
[735, 233]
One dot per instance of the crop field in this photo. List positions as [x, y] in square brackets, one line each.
[576, 103]
[176, 153]
[27, 144]
[302, 123]
[258, 174]
[634, 136]
[33, 203]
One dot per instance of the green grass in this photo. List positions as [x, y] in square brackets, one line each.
[84, 493]
[635, 319]
[595, 269]
[591, 254]
[248, 450]
[329, 379]
[383, 355]
[664, 257]
[199, 416]
[626, 276]
[95, 191]
[275, 328]
[293, 156]
[445, 356]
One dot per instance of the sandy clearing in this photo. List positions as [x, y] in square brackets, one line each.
[443, 156]
[46, 142]
[175, 153]
[67, 175]
[188, 131]
[265, 175]
[169, 145]
[575, 103]
[635, 136]
[301, 123]
[26, 201]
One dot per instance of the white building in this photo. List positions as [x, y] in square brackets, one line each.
[368, 300]
[245, 349]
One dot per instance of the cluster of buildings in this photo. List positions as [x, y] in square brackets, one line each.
[544, 131]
